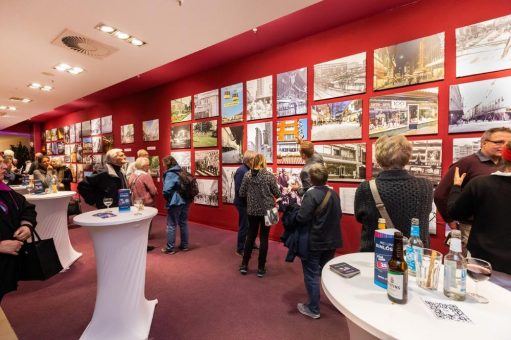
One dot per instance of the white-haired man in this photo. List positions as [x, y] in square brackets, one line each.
[107, 182]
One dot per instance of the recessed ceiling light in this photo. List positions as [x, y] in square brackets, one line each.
[136, 42]
[11, 108]
[68, 68]
[18, 99]
[26, 100]
[106, 29]
[46, 88]
[5, 107]
[34, 85]
[62, 67]
[121, 35]
[76, 70]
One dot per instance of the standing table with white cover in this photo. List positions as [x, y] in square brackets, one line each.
[371, 315]
[52, 223]
[20, 189]
[120, 244]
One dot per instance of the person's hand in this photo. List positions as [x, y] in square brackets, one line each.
[11, 247]
[299, 140]
[23, 233]
[458, 180]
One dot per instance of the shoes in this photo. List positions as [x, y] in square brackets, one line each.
[184, 249]
[302, 308]
[239, 253]
[168, 251]
[149, 248]
[261, 272]
[243, 269]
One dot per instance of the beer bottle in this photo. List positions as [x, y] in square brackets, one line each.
[381, 223]
[397, 276]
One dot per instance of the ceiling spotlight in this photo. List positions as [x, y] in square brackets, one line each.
[121, 35]
[11, 108]
[76, 70]
[5, 107]
[62, 67]
[34, 85]
[46, 88]
[136, 42]
[254, 29]
[106, 28]
[18, 99]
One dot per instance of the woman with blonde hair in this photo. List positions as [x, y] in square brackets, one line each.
[260, 188]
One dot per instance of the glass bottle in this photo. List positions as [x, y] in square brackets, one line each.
[397, 276]
[455, 269]
[413, 246]
[54, 184]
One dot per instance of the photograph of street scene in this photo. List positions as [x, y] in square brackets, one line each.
[184, 159]
[85, 130]
[259, 139]
[288, 150]
[463, 147]
[228, 183]
[232, 103]
[106, 124]
[426, 160]
[480, 105]
[483, 47]
[95, 127]
[286, 178]
[205, 134]
[292, 93]
[406, 113]
[337, 121]
[206, 104]
[232, 144]
[259, 98]
[127, 134]
[180, 136]
[151, 130]
[344, 162]
[181, 109]
[208, 192]
[412, 62]
[207, 163]
[340, 77]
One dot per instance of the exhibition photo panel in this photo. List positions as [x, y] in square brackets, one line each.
[337, 120]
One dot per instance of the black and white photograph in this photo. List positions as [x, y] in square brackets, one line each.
[205, 134]
[95, 126]
[78, 132]
[462, 147]
[232, 103]
[292, 93]
[180, 136]
[184, 159]
[288, 149]
[337, 121]
[206, 104]
[483, 47]
[208, 192]
[72, 133]
[340, 77]
[232, 144]
[97, 144]
[67, 136]
[425, 162]
[181, 109]
[480, 105]
[260, 139]
[260, 98]
[344, 162]
[228, 183]
[151, 130]
[106, 124]
[286, 178]
[413, 62]
[127, 134]
[207, 163]
[86, 128]
[406, 113]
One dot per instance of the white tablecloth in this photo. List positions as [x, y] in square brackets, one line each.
[20, 189]
[52, 223]
[120, 244]
[372, 315]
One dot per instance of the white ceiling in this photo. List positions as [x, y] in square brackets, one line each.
[171, 31]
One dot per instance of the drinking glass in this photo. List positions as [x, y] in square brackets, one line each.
[478, 270]
[107, 201]
[139, 204]
[428, 263]
[30, 188]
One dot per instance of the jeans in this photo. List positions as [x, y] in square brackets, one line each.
[177, 215]
[254, 223]
[312, 267]
[243, 227]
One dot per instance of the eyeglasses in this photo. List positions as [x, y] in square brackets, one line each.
[497, 142]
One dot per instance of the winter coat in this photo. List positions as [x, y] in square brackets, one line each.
[260, 188]
[170, 187]
[142, 187]
[104, 184]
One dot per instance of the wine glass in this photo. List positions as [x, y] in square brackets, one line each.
[478, 270]
[107, 201]
[139, 204]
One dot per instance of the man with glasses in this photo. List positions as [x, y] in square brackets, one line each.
[484, 162]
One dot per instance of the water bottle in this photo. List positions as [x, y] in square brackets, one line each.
[455, 269]
[414, 243]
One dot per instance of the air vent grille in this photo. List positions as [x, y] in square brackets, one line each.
[80, 43]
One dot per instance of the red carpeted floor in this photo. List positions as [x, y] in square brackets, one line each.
[201, 294]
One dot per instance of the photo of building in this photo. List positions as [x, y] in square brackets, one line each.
[344, 162]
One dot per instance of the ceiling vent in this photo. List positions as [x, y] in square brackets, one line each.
[83, 45]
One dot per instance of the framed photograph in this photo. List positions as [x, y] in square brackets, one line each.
[208, 192]
[483, 47]
[340, 77]
[54, 134]
[97, 144]
[86, 128]
[337, 121]
[407, 113]
[79, 152]
[286, 178]
[154, 166]
[288, 150]
[181, 109]
[60, 149]
[72, 133]
[463, 147]
[344, 162]
[232, 144]
[412, 62]
[292, 93]
[79, 172]
[260, 98]
[47, 135]
[67, 137]
[127, 134]
[107, 141]
[67, 153]
[151, 130]
[228, 184]
[72, 167]
[60, 133]
[87, 144]
[207, 163]
[232, 103]
[95, 126]
[184, 159]
[205, 134]
[48, 149]
[260, 139]
[78, 132]
[206, 104]
[480, 105]
[106, 124]
[180, 136]
[74, 152]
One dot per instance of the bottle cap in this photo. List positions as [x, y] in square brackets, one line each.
[415, 221]
[381, 223]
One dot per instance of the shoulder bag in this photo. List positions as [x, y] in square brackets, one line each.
[39, 259]
[379, 204]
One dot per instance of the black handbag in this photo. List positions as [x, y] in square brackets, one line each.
[73, 207]
[39, 259]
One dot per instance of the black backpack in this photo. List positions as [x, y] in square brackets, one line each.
[188, 187]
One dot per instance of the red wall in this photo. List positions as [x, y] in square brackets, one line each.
[406, 23]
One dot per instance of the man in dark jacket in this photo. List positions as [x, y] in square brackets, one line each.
[106, 183]
[322, 215]
[241, 203]
[310, 157]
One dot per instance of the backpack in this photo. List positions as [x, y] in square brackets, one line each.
[188, 187]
